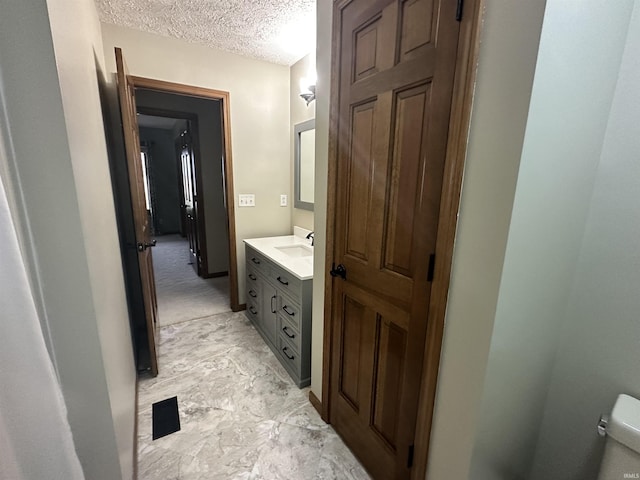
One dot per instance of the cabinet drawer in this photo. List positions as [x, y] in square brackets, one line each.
[253, 311]
[252, 276]
[290, 310]
[253, 291]
[285, 281]
[257, 261]
[289, 332]
[290, 357]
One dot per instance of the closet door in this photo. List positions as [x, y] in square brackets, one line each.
[395, 67]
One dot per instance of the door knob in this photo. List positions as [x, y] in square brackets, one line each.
[339, 271]
[143, 246]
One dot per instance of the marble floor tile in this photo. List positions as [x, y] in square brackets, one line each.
[241, 415]
[294, 453]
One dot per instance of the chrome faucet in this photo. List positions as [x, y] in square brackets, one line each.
[310, 236]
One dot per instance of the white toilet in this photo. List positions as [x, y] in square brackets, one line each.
[622, 451]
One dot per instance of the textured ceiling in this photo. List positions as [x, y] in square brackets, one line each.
[278, 31]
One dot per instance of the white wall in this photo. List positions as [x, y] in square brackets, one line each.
[300, 112]
[259, 105]
[35, 436]
[598, 353]
[49, 58]
[323, 70]
[78, 47]
[508, 52]
[570, 102]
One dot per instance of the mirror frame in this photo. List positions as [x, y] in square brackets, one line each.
[298, 129]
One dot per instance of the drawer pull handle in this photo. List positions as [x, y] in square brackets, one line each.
[284, 350]
[284, 282]
[255, 260]
[289, 312]
[252, 276]
[273, 310]
[290, 335]
[253, 294]
[253, 310]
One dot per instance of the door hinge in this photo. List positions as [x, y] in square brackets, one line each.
[432, 266]
[459, 10]
[410, 457]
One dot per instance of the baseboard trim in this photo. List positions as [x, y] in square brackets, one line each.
[216, 275]
[239, 308]
[317, 404]
[135, 436]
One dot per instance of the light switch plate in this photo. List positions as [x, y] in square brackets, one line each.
[246, 200]
[283, 200]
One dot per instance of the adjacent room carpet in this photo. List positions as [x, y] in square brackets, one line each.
[182, 295]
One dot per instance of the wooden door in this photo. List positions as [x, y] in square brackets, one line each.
[126, 94]
[394, 64]
[190, 198]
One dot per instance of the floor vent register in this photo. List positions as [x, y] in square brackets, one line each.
[166, 419]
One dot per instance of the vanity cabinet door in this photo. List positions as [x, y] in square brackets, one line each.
[268, 319]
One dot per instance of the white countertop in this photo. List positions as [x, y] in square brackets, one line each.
[301, 267]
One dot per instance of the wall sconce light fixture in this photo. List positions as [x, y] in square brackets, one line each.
[308, 89]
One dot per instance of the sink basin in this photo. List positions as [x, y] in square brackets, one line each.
[296, 251]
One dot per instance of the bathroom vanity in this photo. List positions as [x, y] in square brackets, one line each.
[279, 276]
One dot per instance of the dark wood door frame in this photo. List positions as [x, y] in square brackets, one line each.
[465, 75]
[203, 265]
[223, 97]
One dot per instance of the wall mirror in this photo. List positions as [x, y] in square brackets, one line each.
[305, 164]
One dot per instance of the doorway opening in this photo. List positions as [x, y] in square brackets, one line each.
[204, 175]
[190, 267]
[135, 196]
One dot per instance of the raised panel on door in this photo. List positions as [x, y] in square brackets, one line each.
[416, 34]
[395, 67]
[407, 170]
[360, 165]
[371, 345]
[390, 359]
